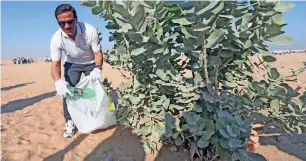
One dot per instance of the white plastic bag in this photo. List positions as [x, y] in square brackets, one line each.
[91, 114]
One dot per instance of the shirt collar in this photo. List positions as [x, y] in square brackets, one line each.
[79, 30]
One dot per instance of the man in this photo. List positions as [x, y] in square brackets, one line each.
[80, 43]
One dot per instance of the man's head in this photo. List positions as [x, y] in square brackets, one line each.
[66, 17]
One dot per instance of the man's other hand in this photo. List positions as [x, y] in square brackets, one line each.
[62, 88]
[96, 74]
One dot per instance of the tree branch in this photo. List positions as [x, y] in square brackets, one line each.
[208, 83]
[216, 79]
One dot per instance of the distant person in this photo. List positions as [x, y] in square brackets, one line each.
[80, 43]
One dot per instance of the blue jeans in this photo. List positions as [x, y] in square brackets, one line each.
[72, 74]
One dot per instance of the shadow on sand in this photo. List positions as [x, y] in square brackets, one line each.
[22, 103]
[122, 143]
[15, 86]
[59, 156]
[292, 144]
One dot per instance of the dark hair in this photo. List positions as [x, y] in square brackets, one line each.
[65, 8]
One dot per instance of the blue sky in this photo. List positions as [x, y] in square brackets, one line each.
[27, 27]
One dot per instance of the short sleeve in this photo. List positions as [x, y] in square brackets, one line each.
[95, 43]
[55, 49]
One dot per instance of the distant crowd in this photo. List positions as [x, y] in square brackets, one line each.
[283, 52]
[28, 60]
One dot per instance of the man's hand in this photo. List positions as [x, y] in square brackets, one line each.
[96, 74]
[61, 88]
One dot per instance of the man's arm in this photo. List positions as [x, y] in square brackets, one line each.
[96, 47]
[99, 58]
[56, 55]
[56, 70]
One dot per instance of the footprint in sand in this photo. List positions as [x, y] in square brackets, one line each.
[52, 123]
[25, 155]
[36, 137]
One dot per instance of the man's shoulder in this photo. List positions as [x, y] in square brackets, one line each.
[88, 27]
[56, 37]
[57, 34]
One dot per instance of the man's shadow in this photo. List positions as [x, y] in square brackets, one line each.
[15, 86]
[25, 102]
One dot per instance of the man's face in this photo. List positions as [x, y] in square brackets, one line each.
[67, 22]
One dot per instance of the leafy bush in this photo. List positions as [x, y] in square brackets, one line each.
[189, 78]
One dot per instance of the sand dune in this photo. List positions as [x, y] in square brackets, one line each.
[32, 122]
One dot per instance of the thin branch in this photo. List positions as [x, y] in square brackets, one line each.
[208, 83]
[127, 45]
[216, 79]
[223, 65]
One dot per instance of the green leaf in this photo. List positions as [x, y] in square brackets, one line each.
[220, 124]
[191, 117]
[137, 37]
[182, 21]
[198, 79]
[138, 51]
[225, 114]
[121, 10]
[198, 108]
[179, 140]
[274, 74]
[208, 97]
[134, 100]
[90, 3]
[149, 4]
[188, 33]
[269, 58]
[213, 61]
[230, 131]
[274, 104]
[96, 10]
[226, 54]
[218, 8]
[177, 107]
[215, 37]
[274, 30]
[112, 25]
[278, 19]
[139, 16]
[158, 51]
[169, 123]
[283, 7]
[202, 143]
[224, 133]
[201, 27]
[280, 40]
[211, 5]
[246, 19]
[235, 143]
[161, 74]
[125, 25]
[227, 16]
[229, 84]
[229, 77]
[206, 135]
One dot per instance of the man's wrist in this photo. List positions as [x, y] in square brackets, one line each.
[99, 67]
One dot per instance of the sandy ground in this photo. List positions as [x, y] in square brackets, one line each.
[32, 123]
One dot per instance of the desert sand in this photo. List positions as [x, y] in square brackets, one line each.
[32, 122]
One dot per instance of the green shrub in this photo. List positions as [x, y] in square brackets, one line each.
[190, 79]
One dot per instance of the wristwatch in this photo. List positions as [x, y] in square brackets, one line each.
[99, 67]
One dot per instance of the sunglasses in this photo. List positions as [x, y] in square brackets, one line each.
[63, 23]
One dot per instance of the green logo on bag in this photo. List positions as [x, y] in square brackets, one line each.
[91, 113]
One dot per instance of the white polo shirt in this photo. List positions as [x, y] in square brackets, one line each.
[80, 51]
